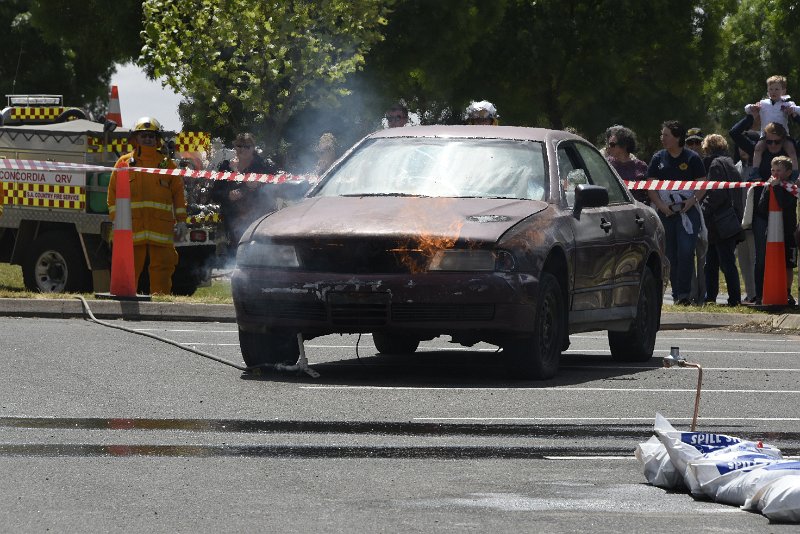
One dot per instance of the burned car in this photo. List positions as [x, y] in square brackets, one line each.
[512, 236]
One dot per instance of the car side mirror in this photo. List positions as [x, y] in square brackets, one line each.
[589, 196]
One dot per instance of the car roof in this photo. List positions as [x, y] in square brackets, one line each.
[486, 132]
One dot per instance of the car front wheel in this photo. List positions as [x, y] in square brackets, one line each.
[536, 357]
[268, 348]
[636, 345]
[394, 344]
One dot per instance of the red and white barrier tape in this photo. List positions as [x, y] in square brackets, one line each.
[698, 185]
[34, 165]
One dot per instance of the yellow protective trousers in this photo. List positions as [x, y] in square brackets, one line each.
[163, 261]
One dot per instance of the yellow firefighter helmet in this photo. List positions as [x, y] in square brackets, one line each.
[147, 124]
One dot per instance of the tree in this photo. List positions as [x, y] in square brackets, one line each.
[40, 52]
[428, 47]
[759, 39]
[247, 65]
[593, 64]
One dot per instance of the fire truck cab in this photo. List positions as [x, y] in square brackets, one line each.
[55, 224]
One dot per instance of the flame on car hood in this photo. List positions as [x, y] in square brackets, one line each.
[470, 219]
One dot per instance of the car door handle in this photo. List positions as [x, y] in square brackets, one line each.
[605, 225]
[640, 222]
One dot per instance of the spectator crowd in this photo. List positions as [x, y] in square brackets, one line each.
[708, 231]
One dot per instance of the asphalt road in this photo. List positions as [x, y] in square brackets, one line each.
[104, 430]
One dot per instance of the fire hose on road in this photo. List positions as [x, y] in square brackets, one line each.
[300, 366]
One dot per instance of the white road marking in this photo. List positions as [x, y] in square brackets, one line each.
[614, 419]
[561, 389]
[589, 457]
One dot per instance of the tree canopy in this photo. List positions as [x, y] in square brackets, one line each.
[65, 47]
[252, 65]
[290, 70]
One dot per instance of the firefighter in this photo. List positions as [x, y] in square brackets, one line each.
[157, 201]
[482, 112]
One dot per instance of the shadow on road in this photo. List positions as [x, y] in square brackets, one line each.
[455, 369]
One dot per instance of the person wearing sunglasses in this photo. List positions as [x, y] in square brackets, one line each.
[776, 108]
[774, 136]
[397, 116]
[620, 146]
[243, 201]
[157, 205]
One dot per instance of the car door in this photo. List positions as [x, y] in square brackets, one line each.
[628, 219]
[593, 257]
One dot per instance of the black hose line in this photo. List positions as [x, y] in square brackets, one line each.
[165, 340]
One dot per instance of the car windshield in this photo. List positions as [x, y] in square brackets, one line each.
[441, 167]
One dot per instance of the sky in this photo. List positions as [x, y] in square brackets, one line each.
[140, 97]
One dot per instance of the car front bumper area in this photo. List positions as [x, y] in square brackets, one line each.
[433, 303]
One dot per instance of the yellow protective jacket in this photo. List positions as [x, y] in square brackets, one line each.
[157, 201]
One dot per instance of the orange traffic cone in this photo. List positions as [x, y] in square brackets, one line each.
[123, 269]
[774, 292]
[114, 112]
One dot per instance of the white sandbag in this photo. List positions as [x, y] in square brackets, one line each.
[683, 447]
[704, 476]
[738, 490]
[779, 500]
[657, 467]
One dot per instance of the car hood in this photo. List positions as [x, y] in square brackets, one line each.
[472, 219]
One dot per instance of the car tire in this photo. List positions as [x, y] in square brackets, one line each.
[55, 264]
[637, 344]
[536, 357]
[268, 348]
[390, 344]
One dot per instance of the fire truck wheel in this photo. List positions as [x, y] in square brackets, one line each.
[394, 344]
[268, 348]
[55, 265]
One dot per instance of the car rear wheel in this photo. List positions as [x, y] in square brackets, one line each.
[637, 344]
[536, 357]
[394, 343]
[55, 265]
[268, 348]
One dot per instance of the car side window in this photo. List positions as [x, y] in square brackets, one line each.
[601, 174]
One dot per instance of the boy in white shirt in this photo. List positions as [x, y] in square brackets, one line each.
[775, 108]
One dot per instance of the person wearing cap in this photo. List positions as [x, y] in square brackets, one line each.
[694, 139]
[482, 112]
[158, 202]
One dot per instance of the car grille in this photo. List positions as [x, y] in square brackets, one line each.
[310, 311]
[416, 313]
[380, 257]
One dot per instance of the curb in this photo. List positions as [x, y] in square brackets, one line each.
[225, 313]
[117, 309]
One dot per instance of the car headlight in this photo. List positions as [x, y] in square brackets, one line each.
[471, 260]
[268, 255]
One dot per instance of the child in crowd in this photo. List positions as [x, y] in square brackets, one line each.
[775, 108]
[782, 173]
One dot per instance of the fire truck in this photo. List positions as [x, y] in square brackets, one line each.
[56, 226]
